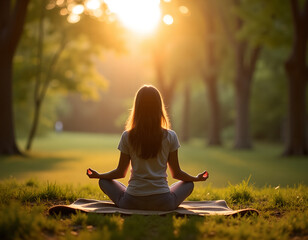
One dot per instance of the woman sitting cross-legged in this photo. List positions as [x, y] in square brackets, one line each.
[149, 145]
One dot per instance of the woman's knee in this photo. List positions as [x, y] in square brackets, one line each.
[103, 183]
[190, 186]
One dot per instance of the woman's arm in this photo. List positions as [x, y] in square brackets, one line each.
[119, 172]
[177, 173]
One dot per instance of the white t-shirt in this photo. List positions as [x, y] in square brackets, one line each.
[148, 176]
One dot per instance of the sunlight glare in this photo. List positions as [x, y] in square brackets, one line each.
[93, 4]
[184, 10]
[98, 12]
[63, 11]
[141, 16]
[59, 2]
[168, 19]
[73, 18]
[78, 9]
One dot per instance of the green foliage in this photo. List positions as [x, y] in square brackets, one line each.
[68, 61]
[268, 23]
[269, 97]
[54, 105]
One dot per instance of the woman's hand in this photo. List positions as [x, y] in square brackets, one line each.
[203, 176]
[92, 173]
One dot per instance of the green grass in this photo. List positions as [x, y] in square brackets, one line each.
[24, 205]
[54, 173]
[64, 158]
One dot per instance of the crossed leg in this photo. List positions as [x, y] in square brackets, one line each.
[113, 189]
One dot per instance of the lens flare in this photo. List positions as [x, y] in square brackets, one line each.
[141, 16]
[93, 4]
[78, 9]
[168, 19]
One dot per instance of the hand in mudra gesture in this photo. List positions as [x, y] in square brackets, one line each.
[203, 176]
[92, 173]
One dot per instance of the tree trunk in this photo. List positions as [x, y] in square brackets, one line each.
[38, 81]
[245, 60]
[245, 68]
[296, 143]
[34, 125]
[297, 73]
[186, 113]
[12, 18]
[210, 79]
[214, 129]
[242, 126]
[8, 144]
[166, 90]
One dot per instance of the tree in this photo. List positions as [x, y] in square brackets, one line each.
[245, 59]
[12, 18]
[66, 50]
[297, 73]
[283, 25]
[201, 30]
[166, 88]
[185, 135]
[210, 77]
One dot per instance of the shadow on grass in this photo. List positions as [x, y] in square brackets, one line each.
[18, 165]
[159, 227]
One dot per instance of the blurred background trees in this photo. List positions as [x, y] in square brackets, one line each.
[67, 50]
[231, 72]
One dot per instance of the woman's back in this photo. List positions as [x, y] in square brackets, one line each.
[148, 176]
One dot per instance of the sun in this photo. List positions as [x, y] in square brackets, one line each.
[140, 16]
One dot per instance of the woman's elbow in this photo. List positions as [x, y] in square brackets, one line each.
[122, 174]
[176, 175]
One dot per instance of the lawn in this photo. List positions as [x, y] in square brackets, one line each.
[64, 157]
[54, 173]
[24, 205]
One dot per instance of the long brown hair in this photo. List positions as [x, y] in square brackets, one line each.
[147, 122]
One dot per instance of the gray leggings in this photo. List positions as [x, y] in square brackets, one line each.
[163, 202]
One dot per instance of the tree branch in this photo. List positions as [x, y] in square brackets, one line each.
[52, 66]
[240, 50]
[253, 60]
[39, 54]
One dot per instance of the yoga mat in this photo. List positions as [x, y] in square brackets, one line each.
[200, 208]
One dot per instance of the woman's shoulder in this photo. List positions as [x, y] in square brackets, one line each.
[124, 135]
[172, 140]
[125, 132]
[170, 134]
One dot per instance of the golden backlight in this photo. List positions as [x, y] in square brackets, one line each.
[140, 16]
